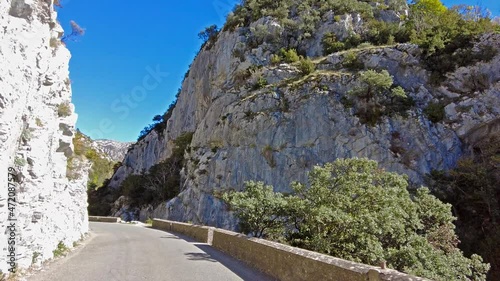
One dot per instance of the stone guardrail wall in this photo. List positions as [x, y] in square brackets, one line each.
[282, 261]
[198, 233]
[104, 219]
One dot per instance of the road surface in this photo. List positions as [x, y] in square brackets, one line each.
[124, 252]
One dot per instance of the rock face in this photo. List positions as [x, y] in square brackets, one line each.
[276, 134]
[36, 129]
[114, 150]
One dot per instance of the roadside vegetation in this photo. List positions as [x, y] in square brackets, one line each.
[101, 168]
[472, 189]
[354, 210]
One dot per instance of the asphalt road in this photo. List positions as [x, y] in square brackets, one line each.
[124, 252]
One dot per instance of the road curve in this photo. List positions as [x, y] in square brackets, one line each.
[124, 252]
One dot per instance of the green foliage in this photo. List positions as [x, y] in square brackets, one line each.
[60, 250]
[398, 92]
[352, 62]
[101, 199]
[375, 82]
[34, 258]
[209, 35]
[64, 110]
[162, 181]
[376, 96]
[134, 188]
[260, 34]
[446, 36]
[149, 221]
[382, 33]
[435, 112]
[289, 56]
[331, 44]
[260, 83]
[306, 66]
[101, 169]
[472, 188]
[275, 59]
[20, 161]
[354, 210]
[352, 41]
[299, 18]
[431, 7]
[458, 52]
[159, 124]
[257, 207]
[26, 135]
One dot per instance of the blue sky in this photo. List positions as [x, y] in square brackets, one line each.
[130, 63]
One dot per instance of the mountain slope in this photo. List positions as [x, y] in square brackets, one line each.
[275, 132]
[114, 150]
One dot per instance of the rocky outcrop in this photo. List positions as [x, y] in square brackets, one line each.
[276, 134]
[113, 150]
[36, 129]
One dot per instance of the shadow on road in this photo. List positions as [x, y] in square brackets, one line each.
[170, 237]
[200, 257]
[213, 255]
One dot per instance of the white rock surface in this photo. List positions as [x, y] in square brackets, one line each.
[113, 150]
[33, 138]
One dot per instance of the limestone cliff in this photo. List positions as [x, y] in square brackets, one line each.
[113, 150]
[276, 132]
[36, 129]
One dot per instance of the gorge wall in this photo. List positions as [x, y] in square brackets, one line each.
[36, 130]
[278, 132]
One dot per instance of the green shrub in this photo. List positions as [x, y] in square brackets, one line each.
[472, 189]
[352, 62]
[290, 56]
[435, 112]
[365, 45]
[160, 183]
[275, 59]
[26, 135]
[352, 41]
[306, 66]
[257, 207]
[64, 109]
[20, 161]
[149, 221]
[331, 44]
[353, 209]
[34, 258]
[60, 250]
[377, 96]
[260, 83]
